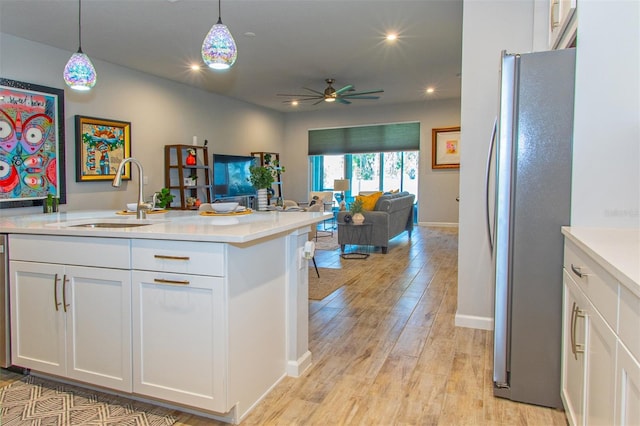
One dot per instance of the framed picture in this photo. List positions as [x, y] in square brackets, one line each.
[32, 161]
[445, 152]
[101, 145]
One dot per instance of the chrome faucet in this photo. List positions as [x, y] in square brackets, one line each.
[142, 208]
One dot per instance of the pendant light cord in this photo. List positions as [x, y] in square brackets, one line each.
[219, 12]
[80, 26]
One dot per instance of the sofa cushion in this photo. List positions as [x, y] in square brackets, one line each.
[369, 201]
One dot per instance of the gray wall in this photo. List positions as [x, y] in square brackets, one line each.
[437, 189]
[161, 112]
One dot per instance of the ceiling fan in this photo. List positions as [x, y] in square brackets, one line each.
[344, 95]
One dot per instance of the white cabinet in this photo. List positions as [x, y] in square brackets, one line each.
[178, 339]
[563, 21]
[600, 376]
[628, 388]
[71, 321]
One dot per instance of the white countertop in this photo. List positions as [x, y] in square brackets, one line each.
[615, 249]
[173, 225]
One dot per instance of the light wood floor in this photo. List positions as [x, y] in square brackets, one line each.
[386, 351]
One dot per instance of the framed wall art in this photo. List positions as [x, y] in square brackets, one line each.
[101, 145]
[445, 152]
[32, 157]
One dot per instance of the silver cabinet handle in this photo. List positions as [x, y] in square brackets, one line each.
[576, 313]
[65, 305]
[164, 257]
[578, 271]
[55, 292]
[174, 282]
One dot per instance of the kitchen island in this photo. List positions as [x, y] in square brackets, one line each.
[202, 313]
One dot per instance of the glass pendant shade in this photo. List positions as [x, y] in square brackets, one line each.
[79, 73]
[219, 48]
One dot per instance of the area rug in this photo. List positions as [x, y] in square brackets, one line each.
[330, 280]
[35, 401]
[326, 241]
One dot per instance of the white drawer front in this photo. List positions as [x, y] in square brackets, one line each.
[186, 257]
[598, 285]
[81, 251]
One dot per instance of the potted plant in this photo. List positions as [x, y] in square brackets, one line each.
[262, 177]
[356, 208]
[164, 198]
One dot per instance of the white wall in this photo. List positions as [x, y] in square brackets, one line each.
[437, 189]
[488, 28]
[161, 112]
[606, 142]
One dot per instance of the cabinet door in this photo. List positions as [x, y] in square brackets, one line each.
[573, 357]
[179, 345]
[600, 377]
[99, 326]
[628, 384]
[37, 321]
[561, 22]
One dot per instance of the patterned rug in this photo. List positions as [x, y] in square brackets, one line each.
[330, 280]
[35, 401]
[327, 241]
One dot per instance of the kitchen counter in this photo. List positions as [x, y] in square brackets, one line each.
[616, 250]
[203, 312]
[173, 225]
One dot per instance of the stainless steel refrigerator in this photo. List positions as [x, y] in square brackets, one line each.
[528, 200]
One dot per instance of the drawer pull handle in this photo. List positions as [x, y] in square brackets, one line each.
[578, 271]
[175, 282]
[164, 257]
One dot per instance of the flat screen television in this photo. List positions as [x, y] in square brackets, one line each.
[231, 175]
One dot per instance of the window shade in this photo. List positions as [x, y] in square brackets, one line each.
[361, 139]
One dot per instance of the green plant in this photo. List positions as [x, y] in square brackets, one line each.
[164, 198]
[356, 206]
[262, 177]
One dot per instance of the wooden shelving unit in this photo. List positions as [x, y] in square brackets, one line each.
[178, 168]
[266, 158]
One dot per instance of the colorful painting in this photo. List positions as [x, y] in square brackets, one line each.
[445, 148]
[31, 144]
[101, 146]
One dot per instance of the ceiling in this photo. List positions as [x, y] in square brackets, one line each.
[283, 45]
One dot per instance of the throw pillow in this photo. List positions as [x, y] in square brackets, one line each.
[369, 201]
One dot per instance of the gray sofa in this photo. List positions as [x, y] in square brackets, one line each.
[392, 215]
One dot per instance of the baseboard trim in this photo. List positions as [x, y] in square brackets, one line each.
[442, 224]
[297, 368]
[472, 321]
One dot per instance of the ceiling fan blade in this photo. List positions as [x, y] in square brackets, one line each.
[319, 102]
[359, 97]
[344, 89]
[314, 91]
[343, 101]
[364, 93]
[298, 95]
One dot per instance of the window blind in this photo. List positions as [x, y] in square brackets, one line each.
[361, 139]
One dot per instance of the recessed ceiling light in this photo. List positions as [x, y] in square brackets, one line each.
[195, 67]
[250, 34]
[294, 103]
[392, 37]
[430, 90]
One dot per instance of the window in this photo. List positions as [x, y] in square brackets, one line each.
[373, 171]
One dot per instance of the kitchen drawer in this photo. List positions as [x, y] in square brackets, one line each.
[186, 257]
[599, 286]
[630, 321]
[81, 251]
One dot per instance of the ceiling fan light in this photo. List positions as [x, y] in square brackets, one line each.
[219, 48]
[329, 99]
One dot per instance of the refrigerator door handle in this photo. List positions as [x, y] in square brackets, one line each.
[492, 144]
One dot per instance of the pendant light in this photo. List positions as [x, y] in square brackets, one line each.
[79, 73]
[218, 48]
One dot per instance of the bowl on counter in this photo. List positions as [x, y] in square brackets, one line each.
[221, 207]
[132, 207]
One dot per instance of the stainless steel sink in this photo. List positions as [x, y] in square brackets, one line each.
[108, 225]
